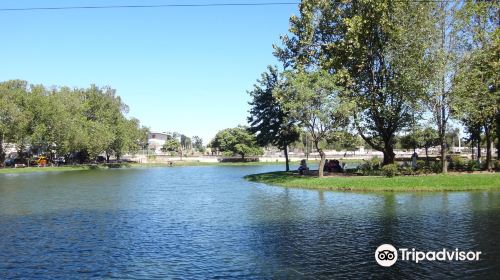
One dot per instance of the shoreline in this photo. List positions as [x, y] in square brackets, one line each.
[84, 167]
[422, 183]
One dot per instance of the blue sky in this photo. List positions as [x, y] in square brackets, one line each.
[178, 69]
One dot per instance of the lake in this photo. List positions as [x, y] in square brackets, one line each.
[208, 222]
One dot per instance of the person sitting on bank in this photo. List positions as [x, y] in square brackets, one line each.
[331, 165]
[336, 167]
[303, 167]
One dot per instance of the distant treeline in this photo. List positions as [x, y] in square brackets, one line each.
[78, 123]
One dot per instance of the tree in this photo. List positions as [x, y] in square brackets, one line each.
[344, 140]
[186, 144]
[421, 138]
[313, 100]
[268, 119]
[238, 140]
[376, 48]
[476, 81]
[171, 145]
[10, 113]
[79, 123]
[443, 53]
[198, 144]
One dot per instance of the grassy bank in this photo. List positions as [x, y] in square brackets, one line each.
[449, 182]
[128, 165]
[43, 169]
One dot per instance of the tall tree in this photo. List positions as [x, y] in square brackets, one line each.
[268, 119]
[198, 144]
[11, 117]
[477, 80]
[377, 47]
[443, 53]
[313, 100]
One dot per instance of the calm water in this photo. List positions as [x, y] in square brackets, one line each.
[207, 222]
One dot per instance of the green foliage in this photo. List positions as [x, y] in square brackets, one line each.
[198, 144]
[436, 167]
[420, 138]
[268, 119]
[171, 145]
[390, 170]
[472, 165]
[315, 102]
[458, 163]
[371, 167]
[476, 83]
[236, 140]
[62, 121]
[377, 52]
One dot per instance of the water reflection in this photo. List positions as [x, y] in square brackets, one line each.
[206, 222]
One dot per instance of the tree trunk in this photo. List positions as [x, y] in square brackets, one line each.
[479, 151]
[2, 152]
[487, 133]
[442, 103]
[444, 162]
[321, 163]
[107, 157]
[498, 134]
[426, 155]
[472, 144]
[286, 158]
[389, 154]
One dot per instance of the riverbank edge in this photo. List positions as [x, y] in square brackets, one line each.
[82, 167]
[427, 183]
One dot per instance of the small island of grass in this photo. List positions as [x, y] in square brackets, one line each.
[438, 182]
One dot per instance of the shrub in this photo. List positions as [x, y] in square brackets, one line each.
[420, 164]
[390, 170]
[457, 163]
[371, 167]
[375, 163]
[408, 170]
[436, 167]
[472, 165]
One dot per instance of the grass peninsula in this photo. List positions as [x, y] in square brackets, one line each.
[421, 183]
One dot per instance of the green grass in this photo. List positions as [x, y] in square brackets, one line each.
[43, 169]
[449, 182]
[127, 165]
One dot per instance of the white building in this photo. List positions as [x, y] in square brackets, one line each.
[156, 140]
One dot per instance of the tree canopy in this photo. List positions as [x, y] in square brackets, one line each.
[268, 119]
[76, 123]
[238, 140]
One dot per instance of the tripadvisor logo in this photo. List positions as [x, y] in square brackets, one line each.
[387, 255]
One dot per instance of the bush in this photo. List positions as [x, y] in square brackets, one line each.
[390, 170]
[472, 166]
[436, 167]
[238, 159]
[496, 164]
[408, 170]
[457, 163]
[420, 164]
[371, 167]
[375, 163]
